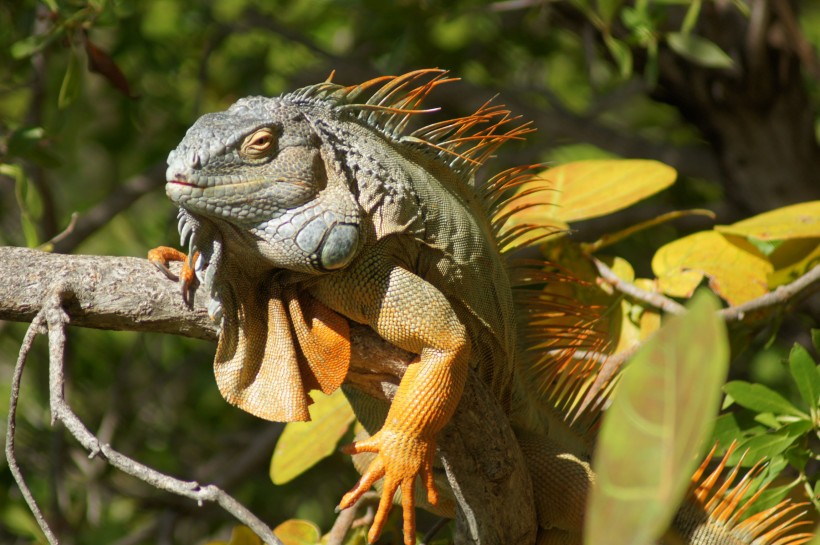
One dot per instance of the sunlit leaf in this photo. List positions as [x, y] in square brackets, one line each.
[760, 398]
[737, 271]
[592, 188]
[240, 535]
[699, 50]
[611, 238]
[792, 259]
[298, 532]
[796, 221]
[303, 444]
[762, 446]
[651, 437]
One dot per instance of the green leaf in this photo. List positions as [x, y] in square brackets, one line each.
[761, 446]
[303, 444]
[652, 435]
[28, 201]
[621, 53]
[797, 457]
[699, 50]
[70, 89]
[607, 9]
[761, 399]
[691, 17]
[805, 375]
[30, 45]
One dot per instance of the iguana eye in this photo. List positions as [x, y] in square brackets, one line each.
[259, 143]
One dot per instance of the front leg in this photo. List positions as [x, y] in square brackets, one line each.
[411, 313]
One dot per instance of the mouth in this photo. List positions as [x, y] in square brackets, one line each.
[182, 182]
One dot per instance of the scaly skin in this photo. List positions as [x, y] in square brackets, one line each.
[292, 189]
[307, 211]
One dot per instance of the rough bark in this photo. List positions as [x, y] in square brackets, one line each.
[758, 116]
[484, 464]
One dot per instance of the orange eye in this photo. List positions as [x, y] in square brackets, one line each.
[258, 143]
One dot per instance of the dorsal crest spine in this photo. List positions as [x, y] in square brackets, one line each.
[462, 143]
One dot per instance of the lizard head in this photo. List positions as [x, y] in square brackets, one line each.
[261, 174]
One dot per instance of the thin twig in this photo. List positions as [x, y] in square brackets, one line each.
[58, 320]
[344, 522]
[656, 300]
[779, 296]
[428, 537]
[34, 329]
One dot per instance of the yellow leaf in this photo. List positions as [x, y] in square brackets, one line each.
[792, 259]
[795, 221]
[737, 271]
[588, 189]
[297, 532]
[240, 535]
[303, 444]
[652, 434]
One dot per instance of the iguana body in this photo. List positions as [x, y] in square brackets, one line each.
[312, 210]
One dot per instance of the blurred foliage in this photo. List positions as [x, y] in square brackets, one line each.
[95, 93]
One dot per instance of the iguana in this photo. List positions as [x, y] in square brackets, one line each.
[305, 212]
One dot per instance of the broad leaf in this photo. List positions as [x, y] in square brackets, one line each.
[761, 447]
[592, 188]
[760, 399]
[737, 271]
[792, 259]
[298, 532]
[804, 372]
[652, 435]
[796, 221]
[303, 444]
[240, 535]
[699, 50]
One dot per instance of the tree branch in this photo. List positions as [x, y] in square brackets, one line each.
[656, 300]
[780, 296]
[483, 461]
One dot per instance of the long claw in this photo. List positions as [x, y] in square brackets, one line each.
[373, 474]
[161, 256]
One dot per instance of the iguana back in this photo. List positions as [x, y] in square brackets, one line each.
[310, 210]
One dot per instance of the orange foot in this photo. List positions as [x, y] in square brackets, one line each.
[400, 458]
[162, 255]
